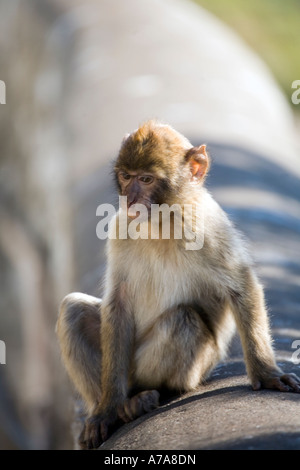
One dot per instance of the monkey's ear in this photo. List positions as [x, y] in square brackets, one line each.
[199, 162]
[125, 137]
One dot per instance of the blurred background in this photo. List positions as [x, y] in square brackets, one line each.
[79, 75]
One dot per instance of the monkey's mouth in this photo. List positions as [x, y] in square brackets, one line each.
[132, 203]
[137, 209]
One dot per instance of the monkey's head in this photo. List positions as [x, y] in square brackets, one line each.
[157, 165]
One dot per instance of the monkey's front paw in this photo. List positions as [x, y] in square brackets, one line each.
[283, 383]
[97, 429]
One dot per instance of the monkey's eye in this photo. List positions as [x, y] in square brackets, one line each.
[146, 179]
[125, 176]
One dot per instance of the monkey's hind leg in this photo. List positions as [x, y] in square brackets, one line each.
[177, 352]
[78, 331]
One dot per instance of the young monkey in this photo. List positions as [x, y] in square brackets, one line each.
[168, 312]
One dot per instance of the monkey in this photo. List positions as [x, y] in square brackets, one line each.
[168, 313]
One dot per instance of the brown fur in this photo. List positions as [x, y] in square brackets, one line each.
[168, 314]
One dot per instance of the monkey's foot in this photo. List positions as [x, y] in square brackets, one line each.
[283, 383]
[138, 405]
[99, 427]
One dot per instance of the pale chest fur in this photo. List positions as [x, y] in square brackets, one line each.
[161, 274]
[161, 280]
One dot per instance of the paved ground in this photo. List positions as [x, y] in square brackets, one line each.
[168, 59]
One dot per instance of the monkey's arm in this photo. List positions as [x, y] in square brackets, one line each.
[116, 337]
[252, 322]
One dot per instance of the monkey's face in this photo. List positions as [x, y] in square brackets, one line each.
[139, 188]
[156, 165]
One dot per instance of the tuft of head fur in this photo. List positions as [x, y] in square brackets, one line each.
[153, 147]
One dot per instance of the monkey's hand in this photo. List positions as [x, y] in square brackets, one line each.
[281, 382]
